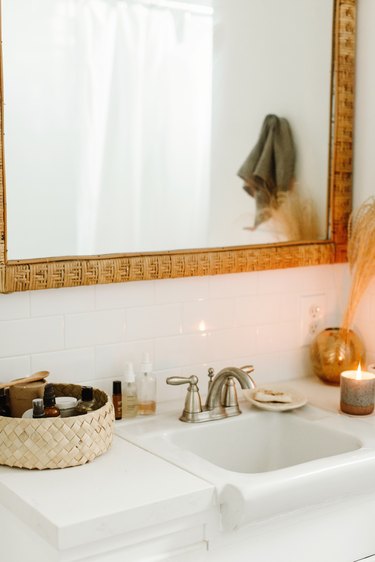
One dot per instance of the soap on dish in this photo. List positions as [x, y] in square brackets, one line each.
[264, 395]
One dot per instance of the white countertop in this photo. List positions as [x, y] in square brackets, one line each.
[123, 490]
[127, 488]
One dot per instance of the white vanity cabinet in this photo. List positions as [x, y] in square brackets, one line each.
[340, 532]
[179, 540]
[127, 505]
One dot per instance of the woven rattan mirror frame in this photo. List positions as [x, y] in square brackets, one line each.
[26, 275]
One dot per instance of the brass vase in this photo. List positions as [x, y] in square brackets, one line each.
[335, 350]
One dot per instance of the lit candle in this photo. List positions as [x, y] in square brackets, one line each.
[357, 392]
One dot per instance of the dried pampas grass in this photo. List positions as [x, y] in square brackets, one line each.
[295, 216]
[361, 255]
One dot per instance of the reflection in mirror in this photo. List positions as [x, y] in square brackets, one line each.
[127, 121]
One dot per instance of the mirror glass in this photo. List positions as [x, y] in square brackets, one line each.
[129, 124]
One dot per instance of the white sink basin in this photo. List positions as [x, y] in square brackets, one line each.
[266, 463]
[262, 441]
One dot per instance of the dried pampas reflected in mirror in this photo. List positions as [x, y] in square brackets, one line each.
[296, 216]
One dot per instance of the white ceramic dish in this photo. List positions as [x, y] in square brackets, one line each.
[298, 400]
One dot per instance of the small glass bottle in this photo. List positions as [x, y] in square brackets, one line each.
[129, 395]
[146, 388]
[117, 399]
[87, 403]
[38, 408]
[50, 408]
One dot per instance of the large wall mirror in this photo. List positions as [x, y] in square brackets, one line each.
[146, 139]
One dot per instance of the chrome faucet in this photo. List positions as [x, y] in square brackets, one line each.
[221, 399]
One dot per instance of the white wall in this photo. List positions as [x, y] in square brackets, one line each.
[86, 333]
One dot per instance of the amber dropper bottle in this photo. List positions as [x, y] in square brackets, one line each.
[117, 399]
[50, 408]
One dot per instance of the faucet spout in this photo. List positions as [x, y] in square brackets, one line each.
[215, 390]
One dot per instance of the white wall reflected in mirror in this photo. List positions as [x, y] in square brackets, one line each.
[126, 121]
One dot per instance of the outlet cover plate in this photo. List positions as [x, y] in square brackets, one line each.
[313, 312]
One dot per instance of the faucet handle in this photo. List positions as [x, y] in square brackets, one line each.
[247, 369]
[193, 403]
[183, 380]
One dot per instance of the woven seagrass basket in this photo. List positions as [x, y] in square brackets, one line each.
[58, 442]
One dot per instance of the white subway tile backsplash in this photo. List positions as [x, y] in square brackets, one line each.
[86, 334]
[71, 365]
[206, 315]
[35, 335]
[341, 278]
[14, 306]
[181, 290]
[333, 308]
[316, 279]
[111, 359]
[290, 307]
[94, 328]
[289, 332]
[280, 281]
[228, 343]
[62, 301]
[233, 285]
[15, 367]
[179, 351]
[295, 363]
[279, 366]
[166, 391]
[278, 337]
[153, 321]
[364, 322]
[266, 338]
[267, 368]
[365, 311]
[257, 309]
[123, 295]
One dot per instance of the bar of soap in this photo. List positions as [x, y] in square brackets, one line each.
[265, 395]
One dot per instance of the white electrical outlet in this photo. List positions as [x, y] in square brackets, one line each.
[313, 310]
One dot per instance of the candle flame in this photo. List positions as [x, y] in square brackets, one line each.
[202, 326]
[359, 372]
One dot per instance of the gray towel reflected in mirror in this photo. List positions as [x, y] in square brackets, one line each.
[269, 168]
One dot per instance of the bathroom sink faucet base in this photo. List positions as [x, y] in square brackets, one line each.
[221, 400]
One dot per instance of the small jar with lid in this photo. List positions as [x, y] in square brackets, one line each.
[67, 406]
